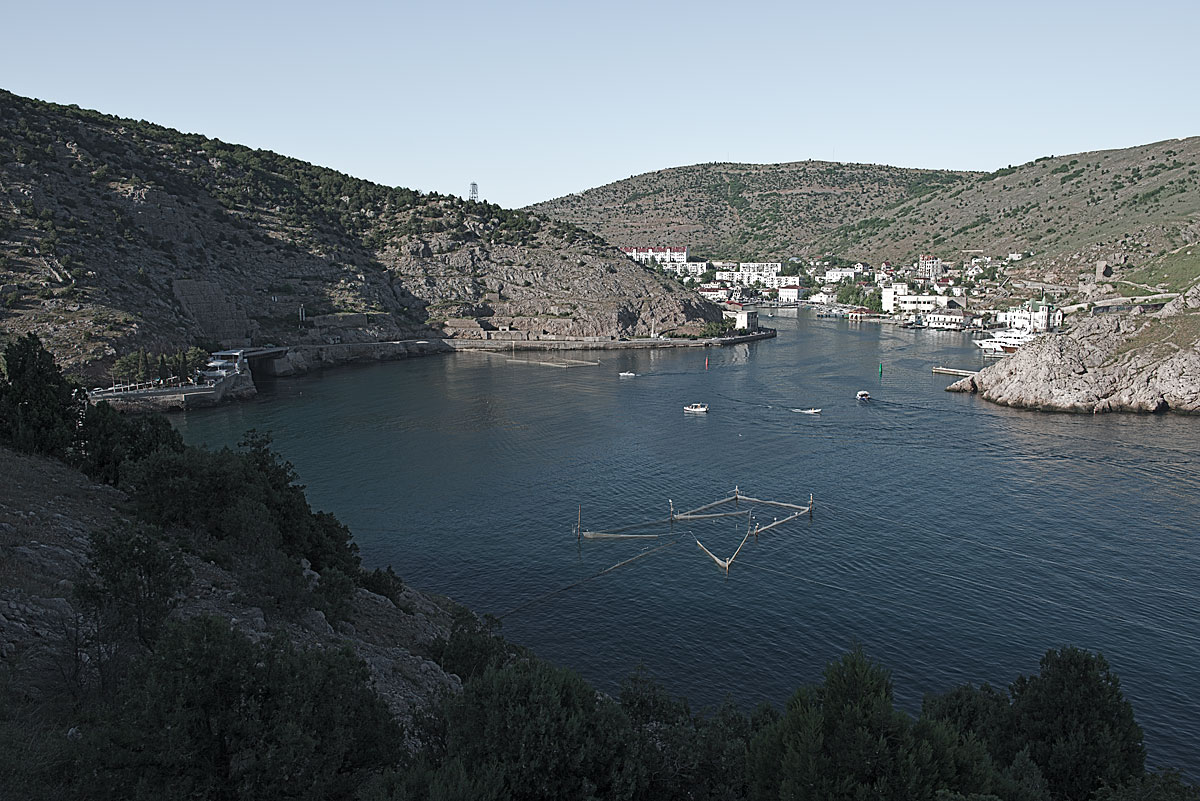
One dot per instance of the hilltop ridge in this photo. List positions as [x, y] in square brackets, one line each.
[748, 212]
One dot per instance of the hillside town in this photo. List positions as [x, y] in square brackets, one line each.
[976, 293]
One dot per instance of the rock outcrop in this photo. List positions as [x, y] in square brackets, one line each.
[1140, 362]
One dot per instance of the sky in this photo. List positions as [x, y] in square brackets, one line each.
[534, 100]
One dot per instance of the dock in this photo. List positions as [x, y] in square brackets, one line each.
[953, 371]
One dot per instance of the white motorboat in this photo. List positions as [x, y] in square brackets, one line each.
[863, 395]
[626, 374]
[807, 411]
[696, 408]
[1007, 341]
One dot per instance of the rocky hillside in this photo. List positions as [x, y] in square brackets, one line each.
[50, 511]
[1123, 206]
[117, 234]
[1127, 206]
[1140, 362]
[747, 212]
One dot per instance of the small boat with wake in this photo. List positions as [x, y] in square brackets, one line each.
[863, 395]
[696, 408]
[807, 411]
[627, 374]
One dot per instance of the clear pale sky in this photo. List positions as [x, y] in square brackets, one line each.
[538, 99]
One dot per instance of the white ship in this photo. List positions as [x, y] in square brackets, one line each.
[1004, 342]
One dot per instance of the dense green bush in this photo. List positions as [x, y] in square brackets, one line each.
[212, 715]
[845, 739]
[240, 497]
[39, 407]
[138, 577]
[533, 731]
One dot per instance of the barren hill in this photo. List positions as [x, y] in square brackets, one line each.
[743, 211]
[117, 234]
[1134, 204]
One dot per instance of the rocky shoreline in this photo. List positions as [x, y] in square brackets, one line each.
[1140, 362]
[303, 359]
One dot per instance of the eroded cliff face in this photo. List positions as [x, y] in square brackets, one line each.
[1141, 362]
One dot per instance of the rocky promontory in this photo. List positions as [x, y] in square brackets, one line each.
[1139, 362]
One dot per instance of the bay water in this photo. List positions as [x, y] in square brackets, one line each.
[955, 540]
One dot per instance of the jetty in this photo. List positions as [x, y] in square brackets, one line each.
[953, 371]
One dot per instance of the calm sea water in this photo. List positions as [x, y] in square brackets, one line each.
[955, 540]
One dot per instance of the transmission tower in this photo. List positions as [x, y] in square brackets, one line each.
[474, 197]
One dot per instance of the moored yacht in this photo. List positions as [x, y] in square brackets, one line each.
[1006, 341]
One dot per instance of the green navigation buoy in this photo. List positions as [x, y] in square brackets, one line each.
[881, 368]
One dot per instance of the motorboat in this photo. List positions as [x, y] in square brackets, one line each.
[696, 408]
[626, 374]
[807, 411]
[863, 395]
[1004, 342]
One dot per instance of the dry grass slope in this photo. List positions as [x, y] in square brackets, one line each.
[1136, 204]
[744, 212]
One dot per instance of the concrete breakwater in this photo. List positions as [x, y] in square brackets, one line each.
[237, 386]
[301, 359]
[606, 344]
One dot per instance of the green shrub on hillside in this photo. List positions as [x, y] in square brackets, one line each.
[39, 407]
[212, 715]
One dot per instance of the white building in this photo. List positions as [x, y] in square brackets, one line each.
[920, 303]
[836, 274]
[949, 319]
[822, 297]
[760, 266]
[1033, 315]
[714, 292]
[929, 267]
[743, 320]
[666, 255]
[769, 280]
[693, 269]
[888, 295]
[790, 293]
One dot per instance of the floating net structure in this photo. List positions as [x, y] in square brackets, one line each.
[653, 529]
[666, 529]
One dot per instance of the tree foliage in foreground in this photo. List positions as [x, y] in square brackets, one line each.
[845, 739]
[211, 715]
